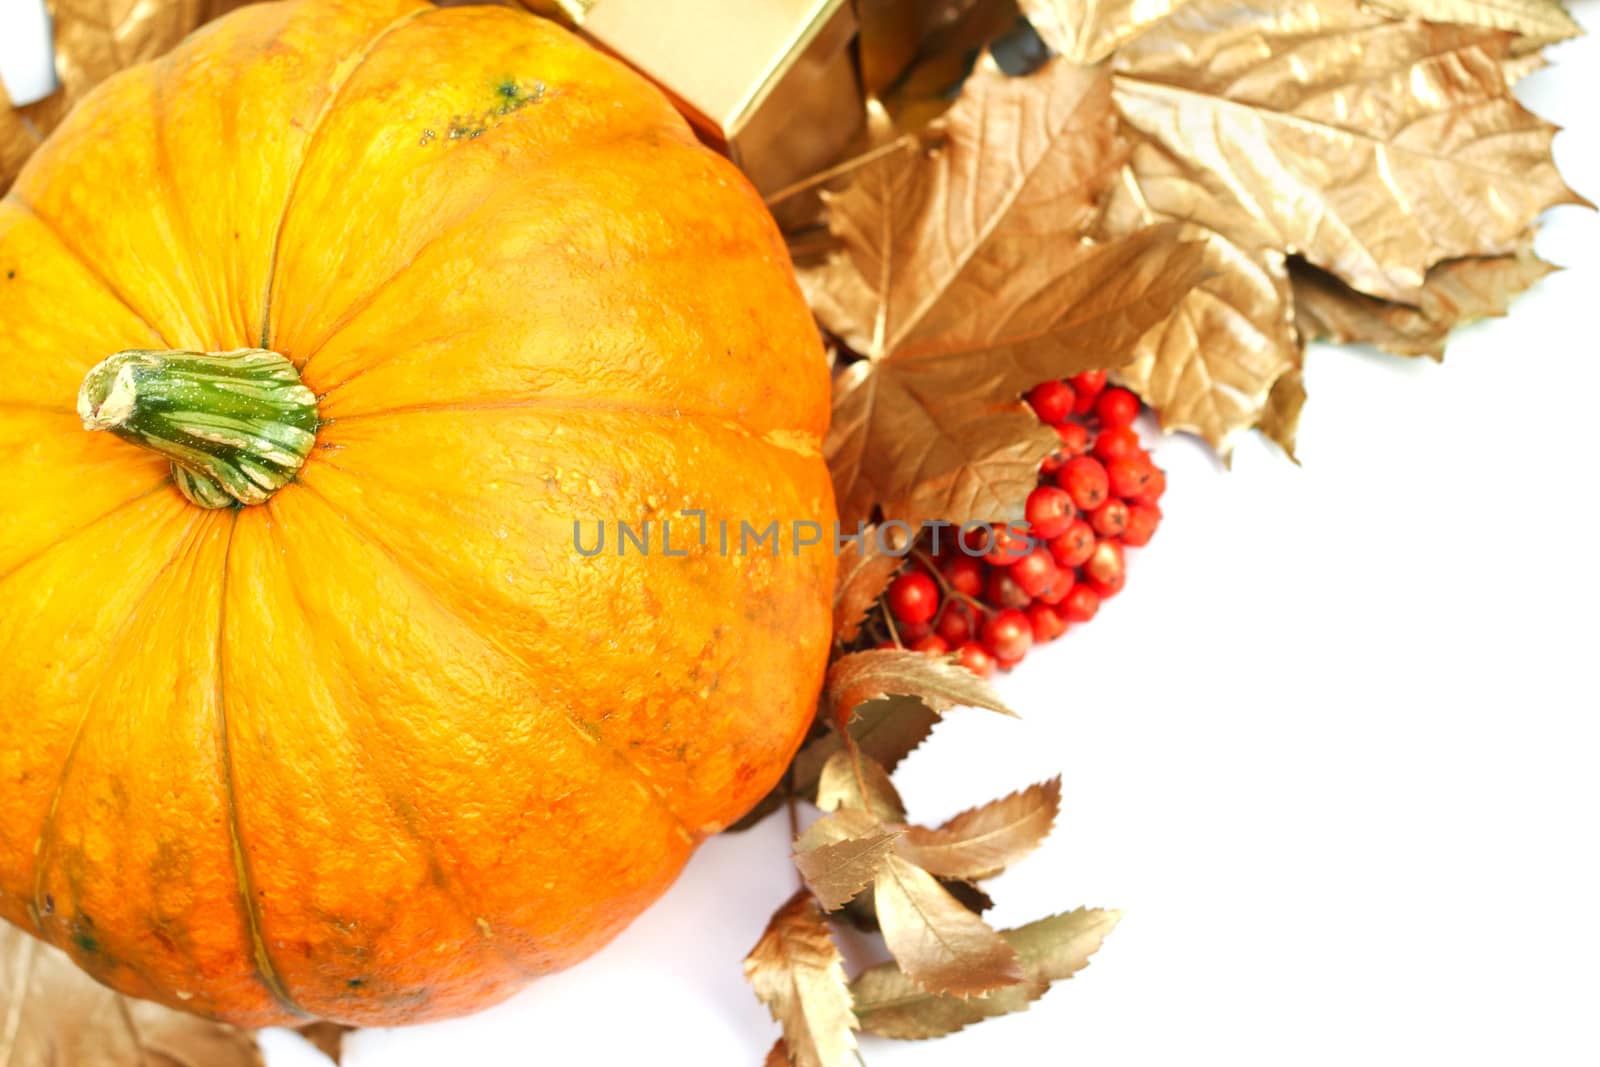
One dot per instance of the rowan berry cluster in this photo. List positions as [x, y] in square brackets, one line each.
[991, 602]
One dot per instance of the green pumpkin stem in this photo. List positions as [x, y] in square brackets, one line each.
[237, 426]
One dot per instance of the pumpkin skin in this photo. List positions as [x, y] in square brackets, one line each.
[385, 747]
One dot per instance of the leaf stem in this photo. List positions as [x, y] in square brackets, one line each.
[841, 169]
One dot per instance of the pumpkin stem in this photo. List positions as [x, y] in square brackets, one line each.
[237, 426]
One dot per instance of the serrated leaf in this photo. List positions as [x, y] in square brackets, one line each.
[864, 573]
[965, 280]
[1536, 22]
[937, 942]
[797, 972]
[983, 841]
[888, 730]
[890, 1004]
[1087, 32]
[327, 1038]
[852, 781]
[1372, 147]
[52, 1014]
[839, 856]
[940, 684]
[1456, 292]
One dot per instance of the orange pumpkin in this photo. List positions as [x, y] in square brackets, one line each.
[311, 706]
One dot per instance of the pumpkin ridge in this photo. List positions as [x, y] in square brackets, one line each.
[316, 127]
[90, 268]
[449, 892]
[44, 845]
[250, 912]
[776, 439]
[355, 310]
[589, 731]
[86, 527]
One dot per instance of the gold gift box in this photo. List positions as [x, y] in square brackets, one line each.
[772, 83]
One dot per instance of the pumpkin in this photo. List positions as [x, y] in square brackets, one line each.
[314, 706]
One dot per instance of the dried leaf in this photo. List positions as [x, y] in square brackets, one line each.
[798, 974]
[864, 573]
[889, 1004]
[1536, 22]
[778, 1055]
[938, 683]
[888, 730]
[1371, 147]
[852, 781]
[965, 281]
[839, 855]
[1209, 368]
[937, 942]
[52, 1014]
[327, 1038]
[1456, 292]
[952, 40]
[983, 841]
[1088, 32]
[1374, 148]
[1280, 419]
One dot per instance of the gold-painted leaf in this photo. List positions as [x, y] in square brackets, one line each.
[965, 280]
[983, 841]
[327, 1038]
[1373, 148]
[839, 855]
[1280, 419]
[1536, 22]
[54, 1015]
[938, 943]
[939, 683]
[1456, 292]
[797, 972]
[890, 1004]
[865, 571]
[888, 730]
[1209, 368]
[855, 782]
[1086, 31]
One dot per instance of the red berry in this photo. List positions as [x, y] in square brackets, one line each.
[1081, 604]
[1004, 591]
[912, 632]
[1074, 439]
[1074, 546]
[1088, 386]
[1058, 588]
[1108, 589]
[1116, 442]
[1007, 635]
[958, 624]
[1155, 485]
[976, 658]
[1048, 511]
[1105, 565]
[1047, 623]
[1035, 572]
[1009, 544]
[913, 597]
[1129, 476]
[964, 574]
[1142, 522]
[1007, 664]
[932, 643]
[1052, 401]
[1085, 481]
[1110, 518]
[1116, 407]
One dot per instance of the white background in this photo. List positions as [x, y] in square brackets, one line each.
[1334, 750]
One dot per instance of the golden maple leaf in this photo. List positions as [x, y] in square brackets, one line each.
[1373, 148]
[52, 1013]
[964, 280]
